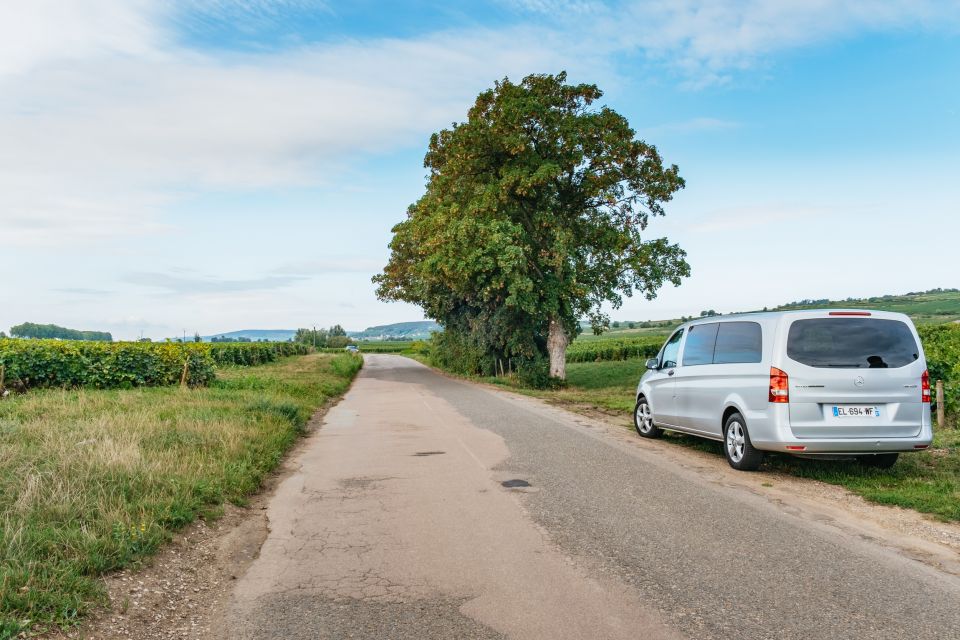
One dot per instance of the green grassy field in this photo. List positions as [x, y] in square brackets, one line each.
[927, 481]
[94, 480]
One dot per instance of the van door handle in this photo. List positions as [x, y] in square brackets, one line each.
[671, 372]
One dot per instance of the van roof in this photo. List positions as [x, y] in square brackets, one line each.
[806, 313]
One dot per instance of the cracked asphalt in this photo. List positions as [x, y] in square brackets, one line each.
[398, 525]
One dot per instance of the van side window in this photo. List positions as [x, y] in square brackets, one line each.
[668, 357]
[701, 339]
[738, 342]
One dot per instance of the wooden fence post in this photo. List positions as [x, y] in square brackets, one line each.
[941, 410]
[183, 377]
[3, 374]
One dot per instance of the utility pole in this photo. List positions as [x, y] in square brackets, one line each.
[314, 336]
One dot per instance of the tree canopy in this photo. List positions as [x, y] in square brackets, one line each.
[533, 218]
[33, 330]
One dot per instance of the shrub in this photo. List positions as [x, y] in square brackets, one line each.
[102, 365]
[941, 345]
[535, 374]
[614, 349]
[105, 365]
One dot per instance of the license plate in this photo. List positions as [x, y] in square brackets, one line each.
[850, 411]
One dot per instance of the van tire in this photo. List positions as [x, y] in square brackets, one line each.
[737, 446]
[643, 420]
[879, 460]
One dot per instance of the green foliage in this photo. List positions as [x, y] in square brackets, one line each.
[254, 353]
[313, 337]
[459, 352]
[614, 349]
[338, 342]
[536, 210]
[346, 364]
[95, 480]
[102, 365]
[941, 345]
[534, 373]
[52, 331]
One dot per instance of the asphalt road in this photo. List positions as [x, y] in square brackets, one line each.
[433, 508]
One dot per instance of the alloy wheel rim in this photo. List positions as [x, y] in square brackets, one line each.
[644, 417]
[736, 441]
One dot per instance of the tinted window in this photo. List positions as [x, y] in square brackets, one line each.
[699, 346]
[670, 350]
[850, 343]
[738, 342]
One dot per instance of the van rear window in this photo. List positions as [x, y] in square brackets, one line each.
[852, 343]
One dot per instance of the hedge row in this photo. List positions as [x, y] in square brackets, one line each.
[614, 349]
[252, 353]
[941, 345]
[107, 365]
[102, 365]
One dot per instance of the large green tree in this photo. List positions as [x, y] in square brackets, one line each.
[534, 217]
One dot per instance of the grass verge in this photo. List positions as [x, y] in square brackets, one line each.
[92, 481]
[926, 481]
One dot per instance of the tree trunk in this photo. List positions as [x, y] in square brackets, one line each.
[557, 341]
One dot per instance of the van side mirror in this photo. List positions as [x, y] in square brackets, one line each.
[653, 364]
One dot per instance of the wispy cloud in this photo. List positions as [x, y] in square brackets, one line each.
[760, 215]
[83, 291]
[707, 41]
[112, 126]
[693, 125]
[335, 264]
[207, 284]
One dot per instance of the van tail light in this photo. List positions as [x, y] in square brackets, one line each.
[925, 387]
[779, 389]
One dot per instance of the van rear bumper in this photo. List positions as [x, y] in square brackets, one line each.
[772, 433]
[847, 447]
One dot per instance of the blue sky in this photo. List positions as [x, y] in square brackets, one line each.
[228, 164]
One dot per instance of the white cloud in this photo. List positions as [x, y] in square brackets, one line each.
[203, 284]
[100, 131]
[331, 264]
[43, 32]
[708, 40]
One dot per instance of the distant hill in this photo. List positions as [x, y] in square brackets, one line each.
[419, 330]
[272, 335]
[924, 307]
[398, 331]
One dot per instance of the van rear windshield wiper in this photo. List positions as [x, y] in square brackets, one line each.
[846, 366]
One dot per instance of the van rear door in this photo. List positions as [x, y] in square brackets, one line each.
[854, 377]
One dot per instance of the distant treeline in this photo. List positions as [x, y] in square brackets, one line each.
[52, 331]
[333, 338]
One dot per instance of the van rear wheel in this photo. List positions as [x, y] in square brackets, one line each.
[643, 420]
[879, 460]
[736, 445]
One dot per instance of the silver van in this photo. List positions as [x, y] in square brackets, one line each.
[823, 383]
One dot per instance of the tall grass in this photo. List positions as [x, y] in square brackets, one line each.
[93, 480]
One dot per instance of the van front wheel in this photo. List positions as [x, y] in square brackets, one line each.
[736, 445]
[643, 420]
